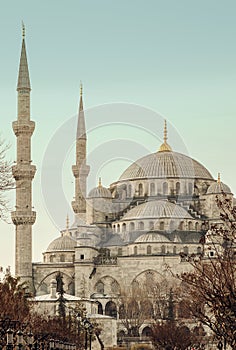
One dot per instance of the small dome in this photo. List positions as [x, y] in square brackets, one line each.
[100, 191]
[218, 187]
[62, 243]
[157, 209]
[151, 237]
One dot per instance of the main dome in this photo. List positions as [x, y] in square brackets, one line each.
[165, 165]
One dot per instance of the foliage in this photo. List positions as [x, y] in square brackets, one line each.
[6, 180]
[211, 286]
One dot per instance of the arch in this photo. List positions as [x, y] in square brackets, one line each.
[165, 188]
[111, 309]
[190, 226]
[71, 288]
[163, 249]
[172, 225]
[47, 279]
[100, 308]
[151, 225]
[51, 258]
[149, 249]
[152, 189]
[181, 226]
[177, 188]
[186, 250]
[174, 250]
[140, 190]
[135, 250]
[197, 226]
[124, 227]
[141, 225]
[190, 188]
[118, 228]
[119, 251]
[162, 225]
[62, 258]
[129, 191]
[131, 226]
[146, 332]
[100, 287]
[199, 250]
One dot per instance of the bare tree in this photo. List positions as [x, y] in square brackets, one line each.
[6, 180]
[211, 286]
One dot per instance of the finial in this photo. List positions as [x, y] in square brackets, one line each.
[81, 88]
[165, 131]
[100, 182]
[67, 222]
[218, 180]
[165, 147]
[23, 30]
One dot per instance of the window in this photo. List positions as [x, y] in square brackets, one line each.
[199, 250]
[141, 225]
[100, 287]
[186, 250]
[110, 309]
[190, 189]
[119, 251]
[190, 226]
[140, 190]
[197, 226]
[165, 188]
[82, 257]
[149, 249]
[151, 225]
[135, 250]
[162, 225]
[124, 227]
[152, 189]
[129, 194]
[62, 258]
[177, 188]
[131, 226]
[181, 226]
[163, 249]
[174, 250]
[118, 228]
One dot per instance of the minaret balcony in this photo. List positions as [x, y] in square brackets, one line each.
[23, 127]
[83, 170]
[20, 217]
[23, 171]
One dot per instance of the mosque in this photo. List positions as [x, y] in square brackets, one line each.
[126, 234]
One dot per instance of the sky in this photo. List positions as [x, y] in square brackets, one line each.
[140, 62]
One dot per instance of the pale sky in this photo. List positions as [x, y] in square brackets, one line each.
[173, 58]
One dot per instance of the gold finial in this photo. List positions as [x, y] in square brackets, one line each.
[218, 180]
[165, 147]
[23, 30]
[100, 182]
[81, 88]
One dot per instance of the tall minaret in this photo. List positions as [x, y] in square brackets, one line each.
[81, 169]
[23, 217]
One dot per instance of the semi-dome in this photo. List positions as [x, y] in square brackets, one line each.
[156, 209]
[100, 192]
[218, 187]
[63, 243]
[165, 164]
[151, 237]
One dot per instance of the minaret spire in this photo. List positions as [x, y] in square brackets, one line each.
[165, 147]
[80, 169]
[23, 217]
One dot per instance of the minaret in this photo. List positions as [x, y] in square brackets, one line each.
[23, 217]
[80, 169]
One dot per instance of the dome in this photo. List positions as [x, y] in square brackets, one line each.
[151, 237]
[218, 187]
[62, 243]
[100, 192]
[165, 164]
[157, 209]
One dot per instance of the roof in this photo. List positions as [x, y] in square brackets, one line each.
[156, 209]
[63, 243]
[23, 76]
[152, 237]
[218, 187]
[164, 165]
[100, 192]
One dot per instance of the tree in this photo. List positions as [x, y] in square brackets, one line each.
[211, 286]
[6, 180]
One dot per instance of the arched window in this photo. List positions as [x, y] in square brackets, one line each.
[174, 250]
[177, 188]
[186, 250]
[199, 250]
[100, 287]
[119, 251]
[131, 226]
[165, 188]
[162, 225]
[129, 192]
[190, 189]
[62, 258]
[197, 226]
[123, 227]
[163, 249]
[172, 225]
[100, 308]
[118, 228]
[51, 258]
[151, 225]
[110, 309]
[190, 226]
[147, 332]
[149, 249]
[140, 190]
[181, 226]
[152, 189]
[135, 250]
[141, 225]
